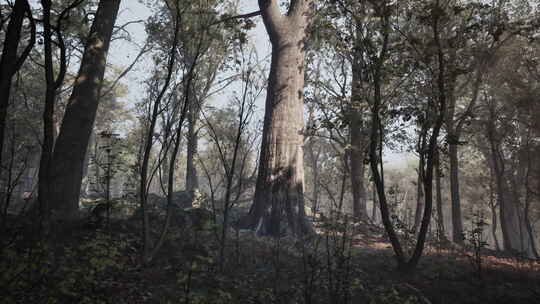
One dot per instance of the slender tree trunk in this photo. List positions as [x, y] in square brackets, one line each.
[508, 213]
[524, 178]
[48, 112]
[486, 152]
[52, 85]
[97, 172]
[430, 145]
[192, 180]
[80, 113]
[374, 216]
[315, 189]
[440, 215]
[419, 201]
[494, 223]
[10, 63]
[375, 153]
[513, 238]
[86, 165]
[453, 136]
[176, 139]
[280, 183]
[457, 224]
[148, 136]
[314, 160]
[521, 188]
[532, 251]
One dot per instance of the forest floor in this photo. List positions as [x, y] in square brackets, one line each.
[450, 274]
[102, 266]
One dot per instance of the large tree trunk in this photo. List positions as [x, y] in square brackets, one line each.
[358, 136]
[280, 182]
[358, 181]
[9, 63]
[72, 142]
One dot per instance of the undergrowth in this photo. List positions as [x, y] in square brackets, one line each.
[103, 266]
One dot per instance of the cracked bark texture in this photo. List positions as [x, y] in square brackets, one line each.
[278, 205]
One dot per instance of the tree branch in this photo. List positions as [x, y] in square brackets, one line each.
[242, 16]
[124, 73]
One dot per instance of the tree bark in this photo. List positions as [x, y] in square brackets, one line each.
[494, 224]
[72, 142]
[52, 85]
[10, 63]
[280, 182]
[419, 202]
[192, 180]
[86, 174]
[440, 215]
[374, 217]
[430, 146]
[522, 179]
[453, 140]
[314, 160]
[514, 231]
[358, 135]
[148, 138]
[508, 213]
[358, 181]
[457, 224]
[532, 251]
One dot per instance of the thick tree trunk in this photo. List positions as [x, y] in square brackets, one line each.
[10, 63]
[358, 169]
[72, 142]
[280, 182]
[358, 136]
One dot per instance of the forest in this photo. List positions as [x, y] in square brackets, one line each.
[270, 151]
